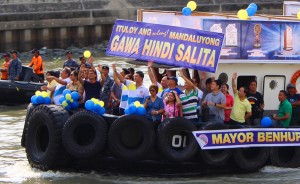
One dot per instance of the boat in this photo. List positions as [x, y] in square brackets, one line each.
[19, 92]
[57, 139]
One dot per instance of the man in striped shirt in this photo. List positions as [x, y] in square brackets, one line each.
[189, 99]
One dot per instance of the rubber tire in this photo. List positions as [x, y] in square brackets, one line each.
[219, 156]
[285, 156]
[170, 127]
[84, 134]
[131, 129]
[44, 145]
[251, 159]
[30, 108]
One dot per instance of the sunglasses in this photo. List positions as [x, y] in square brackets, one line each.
[152, 90]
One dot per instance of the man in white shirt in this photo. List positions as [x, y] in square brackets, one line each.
[61, 84]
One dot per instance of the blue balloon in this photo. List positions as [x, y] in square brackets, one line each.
[141, 111]
[75, 105]
[66, 91]
[251, 11]
[266, 122]
[68, 107]
[39, 100]
[101, 111]
[89, 105]
[33, 100]
[126, 111]
[96, 108]
[75, 95]
[254, 6]
[132, 109]
[61, 99]
[186, 11]
[47, 100]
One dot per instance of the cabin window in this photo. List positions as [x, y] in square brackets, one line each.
[243, 81]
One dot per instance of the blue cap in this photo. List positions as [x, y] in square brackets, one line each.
[290, 85]
[173, 78]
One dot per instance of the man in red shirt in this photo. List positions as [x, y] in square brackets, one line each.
[5, 66]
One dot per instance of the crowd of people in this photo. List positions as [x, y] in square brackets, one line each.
[162, 99]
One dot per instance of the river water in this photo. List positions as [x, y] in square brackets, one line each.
[14, 167]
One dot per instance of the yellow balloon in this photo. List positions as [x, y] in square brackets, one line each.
[68, 96]
[87, 54]
[38, 93]
[298, 15]
[192, 5]
[45, 94]
[94, 100]
[71, 100]
[242, 14]
[101, 103]
[65, 103]
[137, 103]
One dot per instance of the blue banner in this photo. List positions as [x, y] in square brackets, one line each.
[254, 137]
[170, 45]
[257, 40]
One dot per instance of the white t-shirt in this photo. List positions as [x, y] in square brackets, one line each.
[160, 89]
[124, 96]
[136, 93]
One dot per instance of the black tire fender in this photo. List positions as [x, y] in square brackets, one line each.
[251, 159]
[218, 156]
[44, 147]
[285, 156]
[131, 137]
[175, 140]
[84, 134]
[30, 108]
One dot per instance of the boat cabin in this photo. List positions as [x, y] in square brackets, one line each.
[264, 47]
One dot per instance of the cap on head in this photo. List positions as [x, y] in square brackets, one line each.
[6, 55]
[14, 52]
[105, 67]
[35, 50]
[290, 85]
[69, 52]
[173, 78]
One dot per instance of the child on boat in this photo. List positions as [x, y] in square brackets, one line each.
[172, 106]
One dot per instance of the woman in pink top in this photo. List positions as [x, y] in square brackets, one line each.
[229, 102]
[172, 106]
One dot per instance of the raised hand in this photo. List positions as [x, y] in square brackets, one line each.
[99, 68]
[114, 67]
[180, 73]
[150, 63]
[82, 67]
[91, 60]
[203, 75]
[234, 75]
